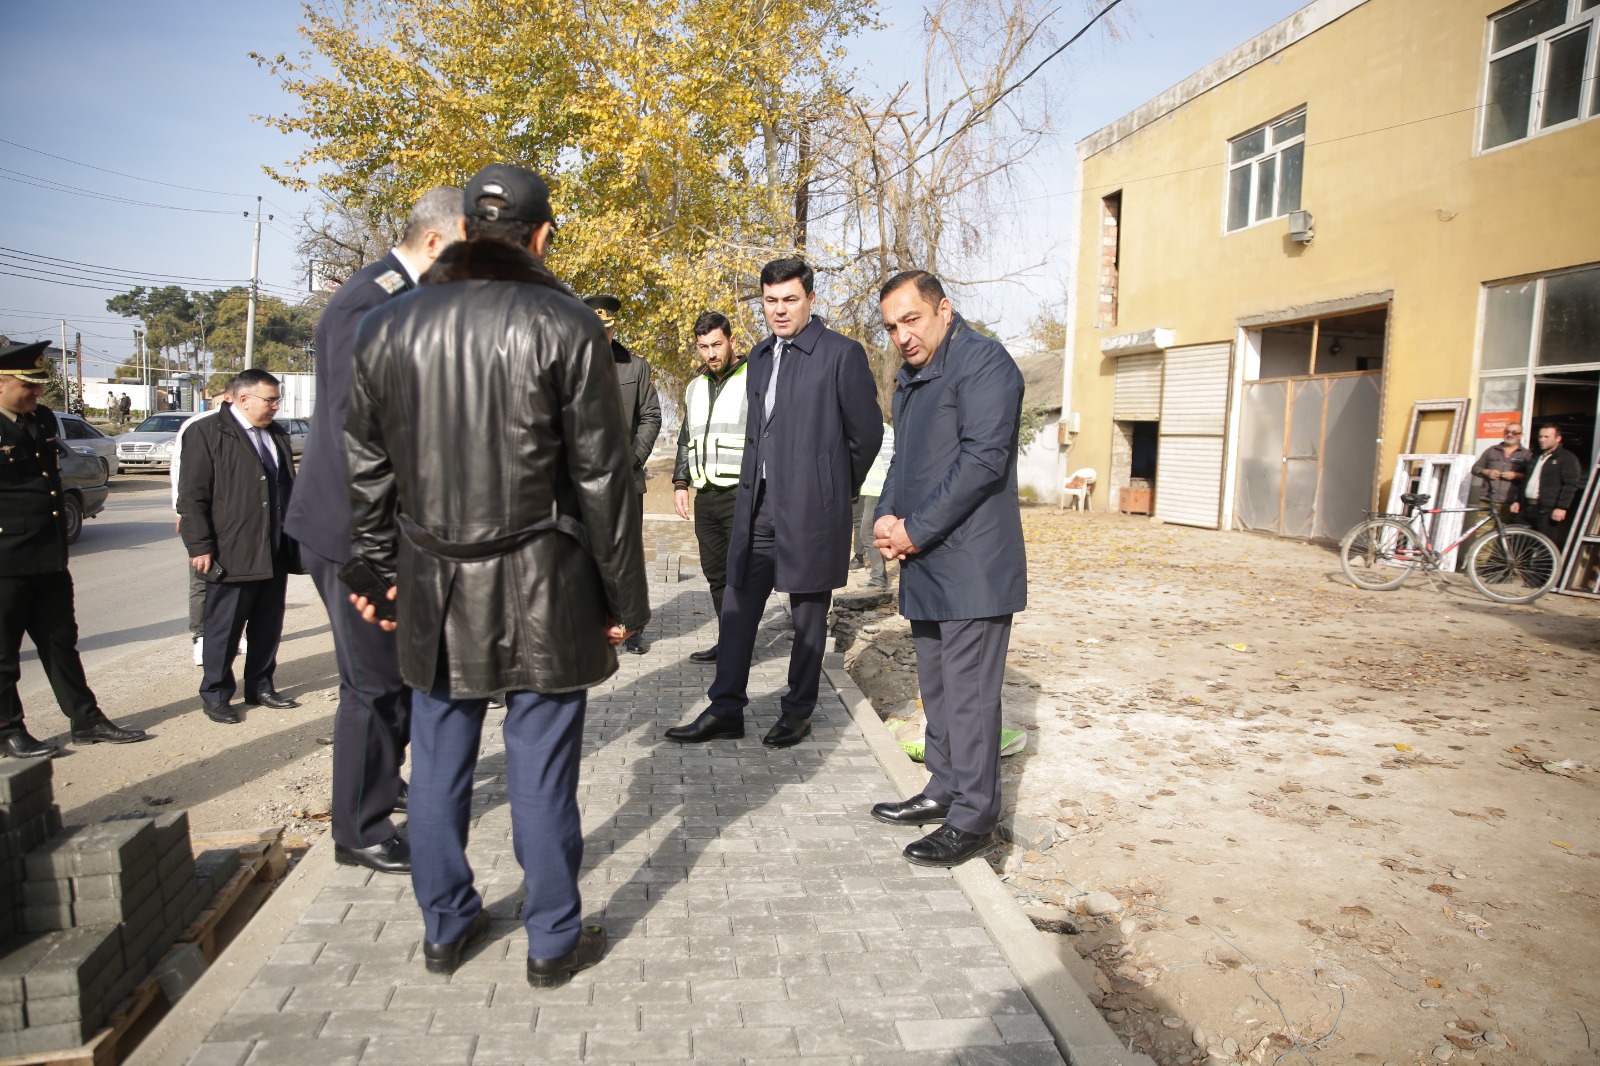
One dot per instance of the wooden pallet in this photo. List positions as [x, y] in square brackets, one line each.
[262, 862]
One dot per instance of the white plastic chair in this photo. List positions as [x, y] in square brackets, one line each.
[1080, 494]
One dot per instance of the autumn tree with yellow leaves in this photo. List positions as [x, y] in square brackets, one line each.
[671, 131]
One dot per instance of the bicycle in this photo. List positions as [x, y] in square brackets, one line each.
[1514, 564]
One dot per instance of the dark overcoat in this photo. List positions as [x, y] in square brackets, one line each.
[641, 406]
[33, 529]
[825, 430]
[953, 479]
[223, 496]
[319, 511]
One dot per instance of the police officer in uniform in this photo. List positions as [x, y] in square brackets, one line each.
[641, 406]
[36, 589]
[710, 451]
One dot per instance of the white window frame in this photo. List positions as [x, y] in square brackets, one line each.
[1588, 101]
[1276, 150]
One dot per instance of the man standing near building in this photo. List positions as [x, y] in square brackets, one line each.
[490, 476]
[35, 586]
[641, 406]
[233, 491]
[949, 513]
[371, 724]
[813, 430]
[1553, 486]
[710, 453]
[1502, 465]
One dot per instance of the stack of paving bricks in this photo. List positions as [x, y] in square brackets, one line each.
[665, 567]
[92, 910]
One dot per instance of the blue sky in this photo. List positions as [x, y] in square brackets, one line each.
[165, 90]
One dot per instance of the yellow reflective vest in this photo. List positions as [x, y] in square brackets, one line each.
[716, 430]
[879, 471]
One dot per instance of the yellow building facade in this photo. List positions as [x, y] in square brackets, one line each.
[1375, 205]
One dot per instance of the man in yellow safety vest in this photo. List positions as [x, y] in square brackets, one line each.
[872, 488]
[710, 451]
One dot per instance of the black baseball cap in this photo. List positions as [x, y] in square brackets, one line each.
[526, 196]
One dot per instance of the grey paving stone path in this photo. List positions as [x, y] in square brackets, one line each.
[756, 912]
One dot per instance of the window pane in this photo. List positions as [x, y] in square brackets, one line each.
[1248, 147]
[1291, 127]
[1563, 81]
[1239, 198]
[1527, 21]
[1510, 95]
[1507, 326]
[1293, 161]
[1570, 330]
[1266, 186]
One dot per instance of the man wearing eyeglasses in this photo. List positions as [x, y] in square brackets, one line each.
[1503, 465]
[233, 491]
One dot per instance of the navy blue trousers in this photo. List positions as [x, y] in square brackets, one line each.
[543, 736]
[961, 665]
[235, 609]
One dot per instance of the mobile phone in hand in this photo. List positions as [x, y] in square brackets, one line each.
[362, 578]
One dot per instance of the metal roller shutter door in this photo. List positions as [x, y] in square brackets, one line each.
[1194, 419]
[1138, 395]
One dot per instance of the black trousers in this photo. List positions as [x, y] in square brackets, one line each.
[742, 607]
[242, 607]
[1539, 518]
[713, 527]
[372, 724]
[41, 606]
[961, 665]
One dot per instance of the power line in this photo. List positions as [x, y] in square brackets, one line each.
[24, 179]
[118, 173]
[100, 268]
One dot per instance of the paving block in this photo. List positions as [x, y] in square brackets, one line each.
[19, 777]
[179, 969]
[46, 893]
[46, 917]
[213, 867]
[12, 1017]
[25, 809]
[77, 957]
[107, 848]
[37, 1039]
[18, 958]
[172, 830]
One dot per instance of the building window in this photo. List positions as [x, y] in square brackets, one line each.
[1264, 168]
[1110, 257]
[1543, 59]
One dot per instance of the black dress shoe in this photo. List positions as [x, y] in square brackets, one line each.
[392, 856]
[707, 727]
[106, 731]
[948, 846]
[787, 733]
[444, 958]
[707, 656]
[221, 712]
[269, 698]
[403, 797]
[23, 746]
[553, 973]
[633, 646]
[325, 739]
[918, 810]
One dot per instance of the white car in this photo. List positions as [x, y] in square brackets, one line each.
[148, 446]
[78, 435]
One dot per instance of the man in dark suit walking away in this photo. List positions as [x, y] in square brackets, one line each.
[370, 726]
[949, 513]
[812, 431]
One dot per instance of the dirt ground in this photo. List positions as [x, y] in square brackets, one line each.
[1338, 826]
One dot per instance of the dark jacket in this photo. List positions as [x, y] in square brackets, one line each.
[1560, 481]
[486, 446]
[641, 406]
[1517, 461]
[224, 500]
[953, 479]
[823, 435]
[33, 529]
[319, 514]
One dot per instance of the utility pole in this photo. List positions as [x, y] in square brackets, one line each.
[79, 338]
[255, 285]
[66, 392]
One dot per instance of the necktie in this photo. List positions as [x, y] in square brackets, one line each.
[268, 460]
[772, 382]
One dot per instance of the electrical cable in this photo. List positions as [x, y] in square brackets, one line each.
[23, 179]
[99, 268]
[118, 173]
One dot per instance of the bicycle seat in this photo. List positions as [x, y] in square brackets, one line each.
[1414, 499]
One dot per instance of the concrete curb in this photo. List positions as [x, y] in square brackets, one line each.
[176, 1038]
[1081, 1034]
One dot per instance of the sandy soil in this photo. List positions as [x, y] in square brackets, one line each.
[1338, 826]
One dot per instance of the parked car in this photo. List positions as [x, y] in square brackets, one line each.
[83, 488]
[148, 446]
[298, 429]
[85, 439]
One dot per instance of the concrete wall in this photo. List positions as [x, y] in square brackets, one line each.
[1403, 202]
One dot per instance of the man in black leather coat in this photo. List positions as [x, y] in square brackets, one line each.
[491, 480]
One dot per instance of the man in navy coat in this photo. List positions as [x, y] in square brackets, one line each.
[370, 726]
[949, 513]
[813, 430]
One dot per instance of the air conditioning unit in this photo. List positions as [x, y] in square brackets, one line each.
[1300, 227]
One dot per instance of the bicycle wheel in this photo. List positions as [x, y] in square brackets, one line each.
[1380, 553]
[1516, 566]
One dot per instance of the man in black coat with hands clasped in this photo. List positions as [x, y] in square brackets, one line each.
[812, 432]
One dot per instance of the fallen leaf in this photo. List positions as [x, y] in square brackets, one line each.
[1290, 788]
[1359, 912]
[1434, 982]
[1239, 647]
[1403, 747]
[1161, 840]
[1193, 919]
[1467, 1025]
[1562, 844]
[1495, 811]
[1128, 847]
[1031, 856]
[1312, 926]
[1465, 1043]
[1372, 779]
[1443, 890]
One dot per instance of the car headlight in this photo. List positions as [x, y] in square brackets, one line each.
[167, 447]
